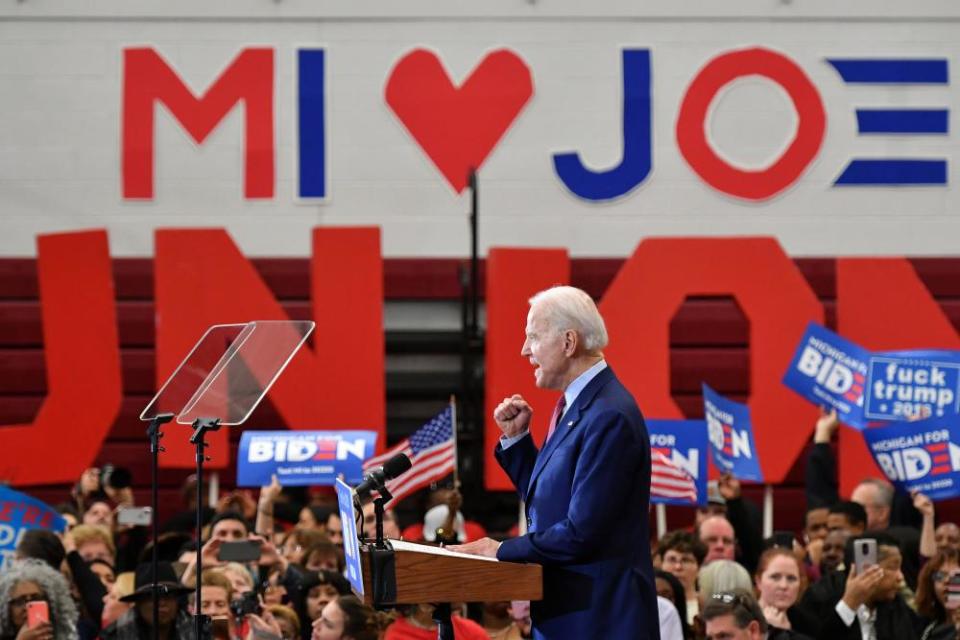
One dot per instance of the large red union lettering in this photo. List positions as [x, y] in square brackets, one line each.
[883, 305]
[202, 279]
[513, 276]
[82, 359]
[648, 291]
[147, 79]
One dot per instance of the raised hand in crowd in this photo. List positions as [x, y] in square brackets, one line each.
[240, 501]
[860, 588]
[209, 554]
[928, 539]
[268, 498]
[269, 554]
[922, 503]
[827, 425]
[729, 487]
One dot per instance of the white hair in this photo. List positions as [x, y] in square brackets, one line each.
[568, 308]
[722, 576]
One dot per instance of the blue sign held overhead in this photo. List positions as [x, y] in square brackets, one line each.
[830, 371]
[18, 514]
[303, 457]
[730, 434]
[905, 384]
[922, 456]
[679, 466]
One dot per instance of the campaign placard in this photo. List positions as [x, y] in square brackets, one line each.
[730, 435]
[830, 371]
[351, 542]
[922, 455]
[303, 457]
[905, 384]
[18, 514]
[679, 467]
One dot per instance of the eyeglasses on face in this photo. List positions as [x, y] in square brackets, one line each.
[940, 576]
[24, 599]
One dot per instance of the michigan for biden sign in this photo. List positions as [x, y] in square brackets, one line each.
[730, 434]
[303, 457]
[830, 371]
[922, 456]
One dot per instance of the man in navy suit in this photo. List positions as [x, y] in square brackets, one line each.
[587, 490]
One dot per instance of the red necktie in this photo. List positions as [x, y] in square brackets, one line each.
[555, 418]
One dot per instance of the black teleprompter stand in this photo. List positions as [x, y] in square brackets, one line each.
[154, 434]
[201, 426]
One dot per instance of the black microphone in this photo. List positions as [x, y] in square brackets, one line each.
[395, 466]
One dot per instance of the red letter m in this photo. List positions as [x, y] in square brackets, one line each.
[147, 78]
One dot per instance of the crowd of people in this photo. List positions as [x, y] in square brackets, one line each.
[718, 579]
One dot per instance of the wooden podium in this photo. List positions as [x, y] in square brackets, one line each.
[415, 573]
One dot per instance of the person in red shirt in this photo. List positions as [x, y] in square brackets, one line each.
[416, 623]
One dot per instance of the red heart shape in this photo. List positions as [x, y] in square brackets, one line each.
[458, 127]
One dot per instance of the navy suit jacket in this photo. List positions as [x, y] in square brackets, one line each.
[587, 497]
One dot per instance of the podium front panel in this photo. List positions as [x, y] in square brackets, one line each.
[425, 574]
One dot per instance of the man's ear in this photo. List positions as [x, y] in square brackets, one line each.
[754, 629]
[570, 341]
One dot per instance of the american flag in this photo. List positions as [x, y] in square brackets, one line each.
[668, 481]
[432, 450]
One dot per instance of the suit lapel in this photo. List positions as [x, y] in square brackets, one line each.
[567, 424]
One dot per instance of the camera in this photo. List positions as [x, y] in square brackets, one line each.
[246, 604]
[115, 477]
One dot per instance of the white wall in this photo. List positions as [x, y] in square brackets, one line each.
[60, 101]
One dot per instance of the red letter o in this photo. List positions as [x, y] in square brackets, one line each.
[691, 134]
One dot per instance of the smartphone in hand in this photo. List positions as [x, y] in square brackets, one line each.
[864, 554]
[135, 516]
[242, 551]
[38, 612]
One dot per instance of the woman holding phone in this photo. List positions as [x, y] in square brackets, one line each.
[938, 596]
[35, 603]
